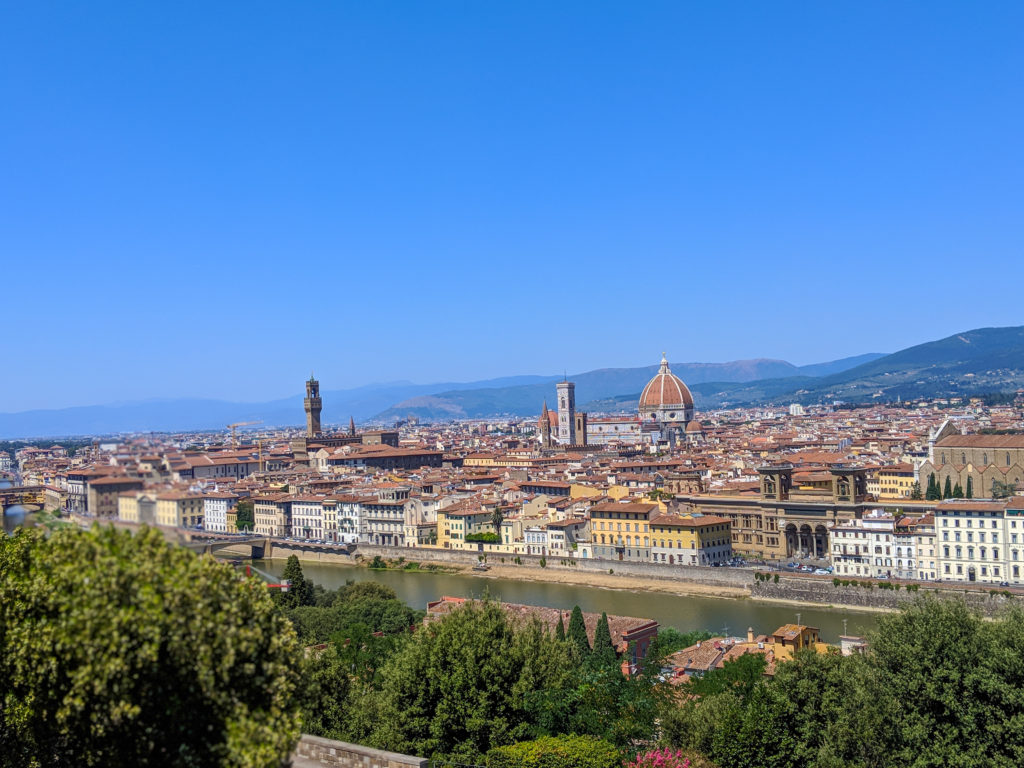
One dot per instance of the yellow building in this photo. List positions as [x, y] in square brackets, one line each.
[895, 482]
[179, 509]
[691, 539]
[136, 507]
[578, 491]
[454, 525]
[621, 531]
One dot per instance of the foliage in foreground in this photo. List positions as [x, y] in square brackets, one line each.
[940, 687]
[473, 681]
[120, 649]
[556, 752]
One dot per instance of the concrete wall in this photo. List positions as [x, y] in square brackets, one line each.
[313, 750]
[823, 591]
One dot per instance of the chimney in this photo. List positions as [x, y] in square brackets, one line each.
[750, 634]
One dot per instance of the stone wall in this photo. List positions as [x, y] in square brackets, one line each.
[821, 590]
[722, 577]
[313, 750]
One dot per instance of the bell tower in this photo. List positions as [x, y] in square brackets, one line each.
[566, 412]
[313, 404]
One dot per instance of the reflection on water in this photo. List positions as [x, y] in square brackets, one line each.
[684, 613]
[15, 516]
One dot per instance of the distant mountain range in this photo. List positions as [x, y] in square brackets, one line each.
[594, 386]
[973, 362]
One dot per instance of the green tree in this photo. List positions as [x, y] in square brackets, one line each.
[670, 640]
[461, 686]
[556, 752]
[300, 591]
[966, 676]
[915, 491]
[947, 489]
[958, 491]
[121, 649]
[577, 633]
[560, 629]
[933, 493]
[970, 487]
[1003, 490]
[604, 651]
[245, 516]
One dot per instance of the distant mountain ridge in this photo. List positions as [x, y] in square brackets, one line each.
[438, 401]
[591, 387]
[973, 362]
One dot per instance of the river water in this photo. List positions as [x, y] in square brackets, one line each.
[15, 516]
[682, 612]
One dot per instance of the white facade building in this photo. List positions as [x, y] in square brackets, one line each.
[980, 541]
[216, 505]
[864, 547]
[308, 518]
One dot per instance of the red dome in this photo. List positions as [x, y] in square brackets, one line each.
[665, 390]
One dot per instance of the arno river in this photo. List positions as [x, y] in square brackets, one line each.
[683, 613]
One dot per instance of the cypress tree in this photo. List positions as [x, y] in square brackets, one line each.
[301, 591]
[933, 488]
[560, 629]
[970, 488]
[604, 651]
[958, 492]
[947, 489]
[577, 633]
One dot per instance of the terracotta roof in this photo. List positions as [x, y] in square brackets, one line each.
[665, 390]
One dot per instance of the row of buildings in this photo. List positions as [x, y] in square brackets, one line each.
[817, 484]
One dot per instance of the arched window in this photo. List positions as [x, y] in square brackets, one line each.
[963, 457]
[1007, 458]
[984, 459]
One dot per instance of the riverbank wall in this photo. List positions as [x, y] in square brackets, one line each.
[718, 577]
[872, 595]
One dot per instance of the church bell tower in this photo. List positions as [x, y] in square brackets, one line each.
[313, 404]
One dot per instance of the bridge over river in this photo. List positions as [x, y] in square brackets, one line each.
[30, 497]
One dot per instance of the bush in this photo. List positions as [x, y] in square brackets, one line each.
[378, 563]
[660, 758]
[556, 752]
[836, 582]
[776, 578]
[121, 649]
[486, 538]
[543, 562]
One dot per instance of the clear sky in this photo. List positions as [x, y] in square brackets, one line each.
[213, 199]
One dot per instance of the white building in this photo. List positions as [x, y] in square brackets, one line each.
[216, 505]
[308, 518]
[980, 541]
[864, 547]
[914, 538]
[349, 519]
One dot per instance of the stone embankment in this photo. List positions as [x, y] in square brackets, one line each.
[876, 595]
[315, 751]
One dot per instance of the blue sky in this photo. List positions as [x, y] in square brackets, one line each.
[211, 200]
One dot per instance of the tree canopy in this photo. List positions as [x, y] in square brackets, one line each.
[121, 649]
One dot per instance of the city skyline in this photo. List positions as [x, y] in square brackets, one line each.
[199, 203]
